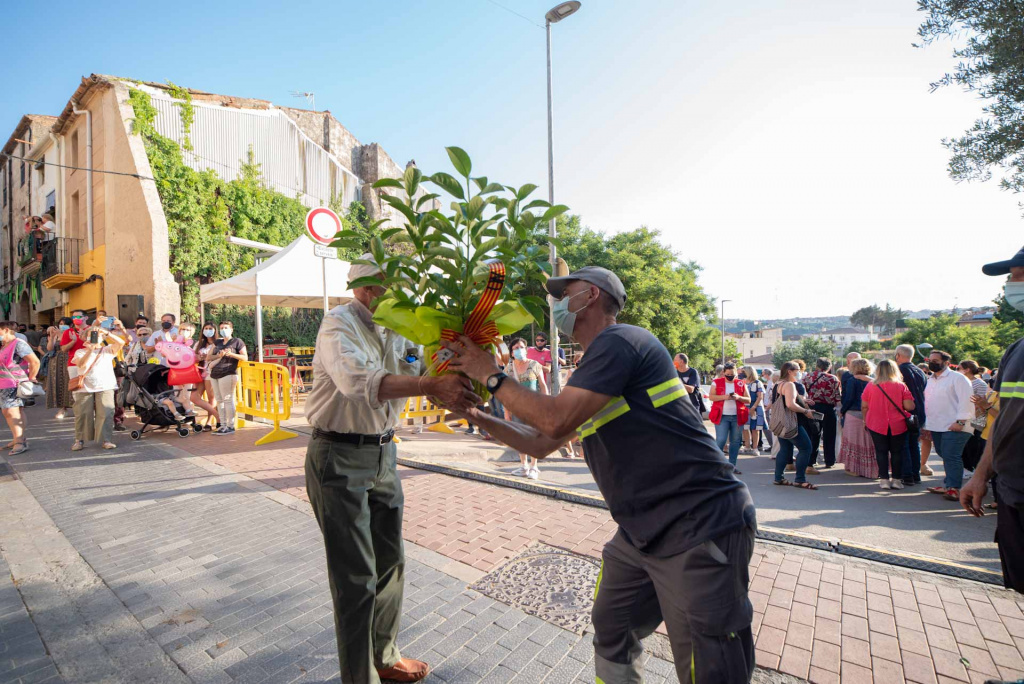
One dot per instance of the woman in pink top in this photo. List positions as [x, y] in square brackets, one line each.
[886, 421]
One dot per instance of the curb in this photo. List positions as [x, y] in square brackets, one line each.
[769, 534]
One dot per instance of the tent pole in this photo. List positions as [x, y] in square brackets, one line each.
[259, 317]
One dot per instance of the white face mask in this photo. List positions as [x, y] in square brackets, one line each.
[565, 320]
[519, 353]
[225, 332]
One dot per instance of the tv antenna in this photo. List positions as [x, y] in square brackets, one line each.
[310, 98]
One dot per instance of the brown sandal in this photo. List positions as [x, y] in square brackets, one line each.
[804, 485]
[783, 483]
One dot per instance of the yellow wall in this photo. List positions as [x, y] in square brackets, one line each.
[90, 295]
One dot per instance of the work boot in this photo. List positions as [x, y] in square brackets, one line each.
[405, 670]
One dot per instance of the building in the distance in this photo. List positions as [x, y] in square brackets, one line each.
[842, 338]
[88, 165]
[978, 318]
[756, 343]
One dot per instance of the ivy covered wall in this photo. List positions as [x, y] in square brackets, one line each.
[202, 209]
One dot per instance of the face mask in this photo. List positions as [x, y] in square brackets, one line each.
[79, 322]
[166, 325]
[565, 320]
[188, 335]
[1014, 293]
[935, 366]
[225, 332]
[743, 376]
[519, 353]
[208, 333]
[986, 376]
[730, 377]
[64, 327]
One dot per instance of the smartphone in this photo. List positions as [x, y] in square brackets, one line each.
[107, 323]
[94, 337]
[817, 416]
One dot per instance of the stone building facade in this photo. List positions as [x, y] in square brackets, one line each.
[111, 249]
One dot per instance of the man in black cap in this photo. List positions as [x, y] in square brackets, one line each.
[686, 523]
[1004, 451]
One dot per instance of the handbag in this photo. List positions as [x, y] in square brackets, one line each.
[912, 422]
[28, 389]
[77, 383]
[781, 421]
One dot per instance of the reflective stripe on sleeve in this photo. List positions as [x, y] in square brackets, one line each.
[612, 410]
[1011, 390]
[668, 391]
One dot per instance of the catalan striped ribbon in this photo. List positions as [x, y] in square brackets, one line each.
[478, 328]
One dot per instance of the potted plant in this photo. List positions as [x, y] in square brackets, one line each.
[465, 270]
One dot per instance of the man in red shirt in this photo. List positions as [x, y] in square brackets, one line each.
[541, 353]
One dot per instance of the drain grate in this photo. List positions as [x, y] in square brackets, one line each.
[547, 582]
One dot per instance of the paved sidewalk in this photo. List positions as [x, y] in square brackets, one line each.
[192, 571]
[819, 616]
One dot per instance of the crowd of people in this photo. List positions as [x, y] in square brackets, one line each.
[82, 365]
[877, 421]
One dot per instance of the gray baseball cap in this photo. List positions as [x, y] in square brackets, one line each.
[595, 275]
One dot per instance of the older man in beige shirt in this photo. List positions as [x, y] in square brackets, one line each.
[362, 374]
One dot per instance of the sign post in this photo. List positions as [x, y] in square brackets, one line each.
[322, 225]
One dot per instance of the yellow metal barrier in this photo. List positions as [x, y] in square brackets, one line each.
[423, 408]
[302, 351]
[266, 393]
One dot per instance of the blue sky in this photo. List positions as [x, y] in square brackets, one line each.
[791, 148]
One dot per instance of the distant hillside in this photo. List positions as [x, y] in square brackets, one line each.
[790, 326]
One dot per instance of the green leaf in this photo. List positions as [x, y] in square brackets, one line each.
[536, 203]
[412, 178]
[554, 212]
[481, 182]
[490, 188]
[460, 160]
[389, 183]
[401, 206]
[365, 281]
[420, 201]
[524, 192]
[448, 183]
[386, 234]
[536, 311]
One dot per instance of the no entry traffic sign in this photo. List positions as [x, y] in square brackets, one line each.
[322, 225]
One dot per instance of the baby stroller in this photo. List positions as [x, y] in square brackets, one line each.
[145, 388]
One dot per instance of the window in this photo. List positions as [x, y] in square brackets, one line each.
[22, 173]
[42, 175]
[3, 182]
[74, 150]
[51, 203]
[767, 350]
[74, 215]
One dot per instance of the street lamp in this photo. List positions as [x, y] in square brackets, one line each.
[554, 16]
[723, 329]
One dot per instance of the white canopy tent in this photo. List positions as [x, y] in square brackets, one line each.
[295, 277]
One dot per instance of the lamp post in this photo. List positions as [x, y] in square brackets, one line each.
[723, 329]
[554, 16]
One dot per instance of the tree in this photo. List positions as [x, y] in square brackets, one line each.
[809, 349]
[663, 295]
[963, 342]
[989, 37]
[1007, 324]
[881, 319]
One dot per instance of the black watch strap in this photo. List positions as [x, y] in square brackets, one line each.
[495, 381]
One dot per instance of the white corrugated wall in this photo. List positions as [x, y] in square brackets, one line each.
[290, 162]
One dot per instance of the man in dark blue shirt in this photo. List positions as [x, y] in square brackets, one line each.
[915, 380]
[686, 523]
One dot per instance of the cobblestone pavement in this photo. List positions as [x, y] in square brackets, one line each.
[220, 580]
[818, 616]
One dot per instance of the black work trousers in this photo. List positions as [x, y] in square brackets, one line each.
[701, 594]
[357, 499]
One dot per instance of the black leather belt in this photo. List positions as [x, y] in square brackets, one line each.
[353, 438]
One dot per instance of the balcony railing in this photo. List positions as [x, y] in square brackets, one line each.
[62, 262]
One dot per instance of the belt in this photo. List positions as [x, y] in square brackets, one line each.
[354, 438]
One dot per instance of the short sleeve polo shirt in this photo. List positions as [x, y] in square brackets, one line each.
[665, 481]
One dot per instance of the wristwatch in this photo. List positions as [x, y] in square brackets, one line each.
[494, 382]
[961, 423]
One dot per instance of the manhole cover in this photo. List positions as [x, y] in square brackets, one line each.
[551, 583]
